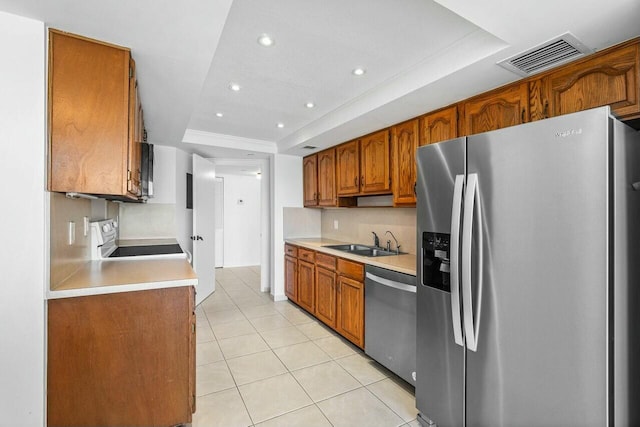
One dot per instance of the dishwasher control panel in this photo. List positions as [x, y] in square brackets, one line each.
[435, 260]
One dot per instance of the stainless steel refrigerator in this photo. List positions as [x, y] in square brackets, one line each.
[529, 276]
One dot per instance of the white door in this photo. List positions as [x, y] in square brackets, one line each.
[204, 226]
[219, 222]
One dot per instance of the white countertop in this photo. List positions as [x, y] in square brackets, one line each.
[107, 276]
[405, 263]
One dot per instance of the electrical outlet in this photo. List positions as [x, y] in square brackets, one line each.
[72, 233]
[335, 224]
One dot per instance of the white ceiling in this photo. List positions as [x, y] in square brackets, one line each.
[419, 55]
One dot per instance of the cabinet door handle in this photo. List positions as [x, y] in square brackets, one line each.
[522, 115]
[362, 180]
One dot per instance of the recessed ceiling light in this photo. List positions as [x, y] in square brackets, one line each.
[309, 105]
[219, 114]
[265, 40]
[358, 71]
[234, 87]
[280, 125]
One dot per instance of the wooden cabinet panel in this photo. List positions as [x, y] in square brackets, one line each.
[350, 316]
[504, 107]
[134, 173]
[326, 296]
[404, 141]
[291, 278]
[306, 255]
[310, 180]
[326, 261]
[291, 250]
[439, 126]
[327, 178]
[306, 285]
[607, 79]
[351, 269]
[89, 100]
[348, 168]
[121, 359]
[375, 163]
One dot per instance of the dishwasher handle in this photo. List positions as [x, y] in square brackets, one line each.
[391, 283]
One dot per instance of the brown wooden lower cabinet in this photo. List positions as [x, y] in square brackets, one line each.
[350, 302]
[123, 359]
[329, 288]
[306, 285]
[326, 292]
[291, 277]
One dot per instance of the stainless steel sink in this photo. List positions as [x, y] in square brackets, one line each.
[362, 250]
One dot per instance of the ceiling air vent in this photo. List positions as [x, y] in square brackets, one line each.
[556, 51]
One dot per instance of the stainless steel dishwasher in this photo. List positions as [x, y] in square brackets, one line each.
[390, 320]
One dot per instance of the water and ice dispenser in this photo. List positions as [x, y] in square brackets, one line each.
[435, 260]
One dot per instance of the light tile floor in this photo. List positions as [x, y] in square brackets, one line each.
[267, 364]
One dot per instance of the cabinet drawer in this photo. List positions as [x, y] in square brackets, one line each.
[352, 269]
[326, 261]
[306, 255]
[291, 250]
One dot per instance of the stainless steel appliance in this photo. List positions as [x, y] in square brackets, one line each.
[529, 276]
[104, 235]
[390, 320]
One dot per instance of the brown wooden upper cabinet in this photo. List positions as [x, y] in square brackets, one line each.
[439, 126]
[310, 180]
[375, 163]
[504, 107]
[327, 178]
[91, 109]
[348, 168]
[319, 175]
[611, 77]
[404, 142]
[364, 166]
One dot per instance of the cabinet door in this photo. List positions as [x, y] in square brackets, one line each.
[348, 167]
[134, 141]
[326, 296]
[310, 180]
[608, 79]
[351, 310]
[121, 359]
[498, 109]
[306, 288]
[88, 116]
[327, 178]
[375, 162]
[439, 126]
[291, 278]
[404, 141]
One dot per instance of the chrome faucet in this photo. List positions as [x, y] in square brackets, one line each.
[376, 240]
[389, 243]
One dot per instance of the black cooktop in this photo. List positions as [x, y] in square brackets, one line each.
[146, 250]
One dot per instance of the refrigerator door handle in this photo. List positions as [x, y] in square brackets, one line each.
[471, 205]
[454, 254]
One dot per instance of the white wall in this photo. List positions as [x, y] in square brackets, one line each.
[286, 190]
[241, 220]
[164, 175]
[23, 255]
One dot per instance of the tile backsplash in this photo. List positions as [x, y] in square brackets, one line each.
[356, 225]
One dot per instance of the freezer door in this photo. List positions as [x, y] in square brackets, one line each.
[439, 361]
[541, 357]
